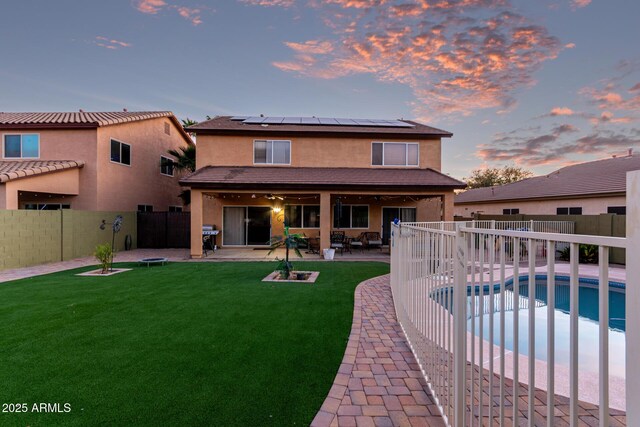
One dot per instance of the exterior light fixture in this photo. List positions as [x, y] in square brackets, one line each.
[277, 209]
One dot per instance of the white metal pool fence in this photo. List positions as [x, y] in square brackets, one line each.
[436, 267]
[562, 227]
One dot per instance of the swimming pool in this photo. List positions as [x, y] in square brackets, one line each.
[588, 321]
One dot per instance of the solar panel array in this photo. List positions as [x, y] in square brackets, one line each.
[320, 121]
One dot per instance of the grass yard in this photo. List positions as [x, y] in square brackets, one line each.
[184, 344]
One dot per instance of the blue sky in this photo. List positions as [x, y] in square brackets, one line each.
[539, 84]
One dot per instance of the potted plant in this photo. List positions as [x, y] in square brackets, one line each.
[286, 241]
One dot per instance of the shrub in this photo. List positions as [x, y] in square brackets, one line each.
[587, 254]
[104, 254]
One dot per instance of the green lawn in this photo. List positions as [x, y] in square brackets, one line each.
[184, 344]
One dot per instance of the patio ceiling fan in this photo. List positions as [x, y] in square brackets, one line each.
[273, 197]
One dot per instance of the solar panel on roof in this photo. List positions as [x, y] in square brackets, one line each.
[254, 120]
[273, 120]
[291, 120]
[328, 121]
[238, 118]
[347, 122]
[323, 121]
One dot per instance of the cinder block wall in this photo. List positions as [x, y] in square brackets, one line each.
[594, 225]
[37, 237]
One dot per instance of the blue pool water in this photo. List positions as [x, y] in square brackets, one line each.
[588, 322]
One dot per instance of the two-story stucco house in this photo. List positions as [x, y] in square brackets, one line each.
[97, 161]
[323, 174]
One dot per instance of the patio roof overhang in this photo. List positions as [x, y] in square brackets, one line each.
[320, 179]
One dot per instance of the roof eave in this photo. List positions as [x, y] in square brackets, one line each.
[319, 133]
[313, 186]
[540, 198]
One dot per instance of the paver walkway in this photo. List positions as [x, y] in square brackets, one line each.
[379, 382]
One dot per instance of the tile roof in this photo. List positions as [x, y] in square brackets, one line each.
[16, 169]
[223, 125]
[81, 118]
[584, 179]
[294, 177]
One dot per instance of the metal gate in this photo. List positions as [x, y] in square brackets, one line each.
[158, 230]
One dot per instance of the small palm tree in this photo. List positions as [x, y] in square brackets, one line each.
[288, 241]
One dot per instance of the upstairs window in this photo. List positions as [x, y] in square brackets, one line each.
[394, 154]
[166, 166]
[512, 211]
[21, 146]
[269, 152]
[120, 152]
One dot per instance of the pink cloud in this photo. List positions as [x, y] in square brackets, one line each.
[153, 7]
[313, 47]
[150, 6]
[190, 14]
[561, 111]
[111, 44]
[454, 62]
[577, 4]
[269, 3]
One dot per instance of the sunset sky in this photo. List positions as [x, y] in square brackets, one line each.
[537, 83]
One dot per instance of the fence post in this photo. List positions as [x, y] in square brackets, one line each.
[633, 298]
[459, 329]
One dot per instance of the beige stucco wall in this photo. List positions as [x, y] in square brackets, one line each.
[123, 187]
[76, 144]
[590, 206]
[307, 152]
[65, 182]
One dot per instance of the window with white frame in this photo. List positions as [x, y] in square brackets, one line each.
[351, 216]
[511, 211]
[394, 154]
[302, 216]
[270, 152]
[145, 208]
[166, 166]
[21, 146]
[120, 152]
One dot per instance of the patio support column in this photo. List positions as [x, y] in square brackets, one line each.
[196, 223]
[325, 220]
[447, 206]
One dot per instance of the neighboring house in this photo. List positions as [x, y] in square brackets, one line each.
[97, 161]
[319, 174]
[584, 189]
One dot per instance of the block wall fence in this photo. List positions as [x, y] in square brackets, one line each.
[37, 237]
[595, 225]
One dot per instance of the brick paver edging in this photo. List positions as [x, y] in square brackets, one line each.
[379, 382]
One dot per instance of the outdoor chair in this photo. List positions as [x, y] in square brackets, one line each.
[338, 241]
[357, 242]
[314, 245]
[373, 240]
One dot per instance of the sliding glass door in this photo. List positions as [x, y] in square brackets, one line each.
[389, 214]
[246, 225]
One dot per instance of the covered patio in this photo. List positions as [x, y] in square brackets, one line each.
[251, 205]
